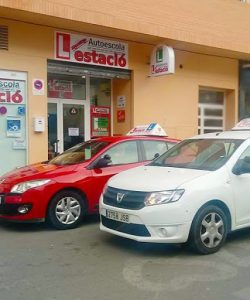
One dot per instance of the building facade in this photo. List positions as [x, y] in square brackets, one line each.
[72, 70]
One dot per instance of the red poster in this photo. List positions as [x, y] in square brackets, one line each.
[121, 116]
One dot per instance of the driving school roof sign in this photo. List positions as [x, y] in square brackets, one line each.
[162, 61]
[148, 129]
[91, 50]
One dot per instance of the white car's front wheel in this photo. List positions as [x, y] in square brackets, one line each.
[209, 230]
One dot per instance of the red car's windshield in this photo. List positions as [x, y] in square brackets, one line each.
[79, 153]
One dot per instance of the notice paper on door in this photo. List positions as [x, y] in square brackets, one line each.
[73, 131]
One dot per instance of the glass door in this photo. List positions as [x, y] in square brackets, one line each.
[68, 124]
[73, 125]
[52, 130]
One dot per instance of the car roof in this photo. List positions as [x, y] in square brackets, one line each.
[231, 134]
[112, 139]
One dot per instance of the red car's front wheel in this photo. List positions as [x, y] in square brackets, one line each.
[66, 210]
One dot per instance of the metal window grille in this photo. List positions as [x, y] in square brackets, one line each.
[4, 39]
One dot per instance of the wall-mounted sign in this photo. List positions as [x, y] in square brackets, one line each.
[19, 144]
[91, 50]
[162, 61]
[38, 87]
[12, 91]
[121, 116]
[121, 102]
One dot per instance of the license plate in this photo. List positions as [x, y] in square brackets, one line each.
[117, 216]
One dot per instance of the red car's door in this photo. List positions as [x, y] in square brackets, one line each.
[123, 156]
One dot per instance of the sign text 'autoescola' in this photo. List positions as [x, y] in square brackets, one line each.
[91, 50]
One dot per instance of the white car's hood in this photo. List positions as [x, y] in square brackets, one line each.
[153, 178]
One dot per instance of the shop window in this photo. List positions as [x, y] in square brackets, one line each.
[100, 91]
[66, 86]
[155, 148]
[124, 153]
[211, 111]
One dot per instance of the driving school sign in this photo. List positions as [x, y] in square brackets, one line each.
[12, 91]
[91, 50]
[162, 61]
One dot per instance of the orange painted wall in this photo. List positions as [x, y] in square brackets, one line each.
[213, 23]
[170, 100]
[173, 100]
[122, 87]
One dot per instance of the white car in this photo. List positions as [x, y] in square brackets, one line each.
[197, 192]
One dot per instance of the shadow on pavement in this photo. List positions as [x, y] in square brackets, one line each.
[42, 226]
[149, 249]
[145, 249]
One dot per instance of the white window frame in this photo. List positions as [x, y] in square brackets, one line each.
[202, 117]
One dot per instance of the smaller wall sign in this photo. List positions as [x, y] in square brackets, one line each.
[19, 144]
[162, 61]
[121, 116]
[121, 102]
[38, 87]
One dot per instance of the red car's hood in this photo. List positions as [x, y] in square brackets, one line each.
[37, 171]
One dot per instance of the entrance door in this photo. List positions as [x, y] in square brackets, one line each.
[67, 124]
[73, 125]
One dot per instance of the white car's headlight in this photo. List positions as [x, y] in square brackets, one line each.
[163, 197]
[24, 186]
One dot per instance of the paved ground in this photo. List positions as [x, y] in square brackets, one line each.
[39, 263]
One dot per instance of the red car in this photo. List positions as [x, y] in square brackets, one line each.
[68, 186]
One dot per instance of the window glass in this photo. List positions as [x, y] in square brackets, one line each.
[211, 111]
[79, 153]
[243, 163]
[100, 91]
[245, 153]
[202, 154]
[153, 148]
[124, 153]
[66, 86]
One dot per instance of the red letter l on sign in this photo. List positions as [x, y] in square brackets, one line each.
[62, 45]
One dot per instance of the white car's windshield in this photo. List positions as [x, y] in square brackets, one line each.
[202, 154]
[79, 153]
